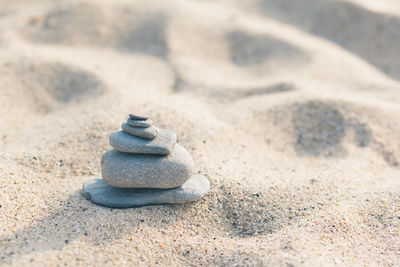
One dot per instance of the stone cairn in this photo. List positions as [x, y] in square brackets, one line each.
[146, 166]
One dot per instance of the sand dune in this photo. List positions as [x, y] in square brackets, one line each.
[370, 35]
[290, 108]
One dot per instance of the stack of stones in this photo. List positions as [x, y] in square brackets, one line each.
[146, 166]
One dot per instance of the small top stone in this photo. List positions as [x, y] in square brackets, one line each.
[144, 132]
[137, 117]
[140, 123]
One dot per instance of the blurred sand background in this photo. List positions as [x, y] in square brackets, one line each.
[289, 107]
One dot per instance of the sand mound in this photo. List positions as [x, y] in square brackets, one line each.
[248, 50]
[67, 24]
[80, 23]
[147, 37]
[329, 129]
[52, 85]
[346, 24]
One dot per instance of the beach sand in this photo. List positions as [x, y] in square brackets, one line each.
[290, 108]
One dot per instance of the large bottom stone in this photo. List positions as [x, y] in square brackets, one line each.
[99, 192]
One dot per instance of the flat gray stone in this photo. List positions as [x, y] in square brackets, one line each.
[148, 132]
[137, 117]
[126, 170]
[99, 192]
[163, 144]
[140, 123]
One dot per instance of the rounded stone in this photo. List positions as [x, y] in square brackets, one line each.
[137, 117]
[163, 144]
[99, 192]
[140, 123]
[148, 132]
[125, 170]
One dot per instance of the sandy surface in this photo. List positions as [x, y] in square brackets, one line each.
[289, 107]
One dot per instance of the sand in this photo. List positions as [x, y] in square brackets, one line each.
[289, 107]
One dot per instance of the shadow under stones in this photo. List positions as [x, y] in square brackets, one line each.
[255, 212]
[248, 50]
[375, 37]
[77, 217]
